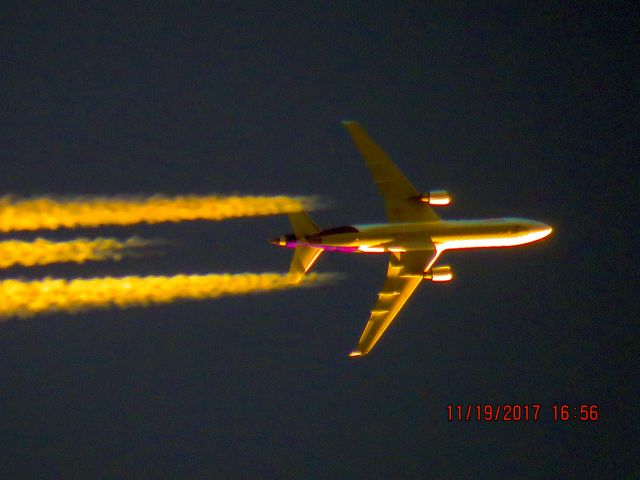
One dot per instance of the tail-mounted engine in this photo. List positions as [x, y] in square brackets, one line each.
[435, 197]
[439, 274]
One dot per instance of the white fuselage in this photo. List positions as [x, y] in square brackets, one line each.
[444, 234]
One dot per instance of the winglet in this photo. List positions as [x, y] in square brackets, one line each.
[356, 353]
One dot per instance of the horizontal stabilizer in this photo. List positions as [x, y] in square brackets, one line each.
[304, 256]
[302, 224]
[303, 259]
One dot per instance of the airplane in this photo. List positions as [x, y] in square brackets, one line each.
[414, 237]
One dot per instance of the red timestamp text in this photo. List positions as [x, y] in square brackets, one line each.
[582, 413]
[514, 412]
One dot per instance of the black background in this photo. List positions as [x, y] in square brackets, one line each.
[522, 111]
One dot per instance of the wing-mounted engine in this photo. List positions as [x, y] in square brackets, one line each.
[439, 274]
[434, 197]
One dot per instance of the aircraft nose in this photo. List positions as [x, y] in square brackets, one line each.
[541, 230]
[545, 230]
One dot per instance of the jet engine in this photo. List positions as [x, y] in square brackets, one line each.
[435, 197]
[439, 274]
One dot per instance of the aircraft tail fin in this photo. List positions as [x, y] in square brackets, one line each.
[303, 256]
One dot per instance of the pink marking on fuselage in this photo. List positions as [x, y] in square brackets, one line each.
[328, 248]
[337, 249]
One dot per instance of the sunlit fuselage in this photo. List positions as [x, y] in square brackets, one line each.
[405, 237]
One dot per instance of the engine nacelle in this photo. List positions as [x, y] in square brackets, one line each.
[439, 274]
[436, 197]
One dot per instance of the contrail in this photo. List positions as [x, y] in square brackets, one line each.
[52, 213]
[28, 298]
[79, 250]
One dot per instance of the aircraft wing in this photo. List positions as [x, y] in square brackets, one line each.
[403, 276]
[392, 184]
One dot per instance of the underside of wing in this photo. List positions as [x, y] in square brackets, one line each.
[398, 192]
[403, 276]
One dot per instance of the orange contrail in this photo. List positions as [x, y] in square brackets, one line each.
[27, 298]
[52, 213]
[79, 250]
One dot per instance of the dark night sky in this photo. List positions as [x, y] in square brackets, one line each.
[517, 112]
